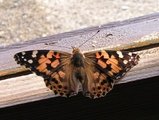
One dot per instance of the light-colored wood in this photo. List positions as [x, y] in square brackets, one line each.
[139, 32]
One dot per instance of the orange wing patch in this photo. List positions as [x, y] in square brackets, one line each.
[51, 54]
[45, 61]
[101, 63]
[43, 64]
[112, 61]
[103, 54]
[55, 63]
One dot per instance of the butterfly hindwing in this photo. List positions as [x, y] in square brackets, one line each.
[50, 65]
[99, 85]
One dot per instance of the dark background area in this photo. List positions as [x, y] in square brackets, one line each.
[132, 101]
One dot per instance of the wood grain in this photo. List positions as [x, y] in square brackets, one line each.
[140, 35]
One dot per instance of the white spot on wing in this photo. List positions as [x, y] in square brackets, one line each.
[120, 54]
[123, 74]
[125, 62]
[34, 53]
[30, 61]
[33, 56]
[23, 53]
[130, 53]
[132, 58]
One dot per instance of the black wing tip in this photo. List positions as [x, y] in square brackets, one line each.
[20, 60]
[17, 59]
[136, 59]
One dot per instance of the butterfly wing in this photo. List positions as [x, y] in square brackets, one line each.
[52, 66]
[107, 68]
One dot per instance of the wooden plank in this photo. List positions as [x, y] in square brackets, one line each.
[139, 34]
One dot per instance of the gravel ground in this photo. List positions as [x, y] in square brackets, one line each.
[23, 20]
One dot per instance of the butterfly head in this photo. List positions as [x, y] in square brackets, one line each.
[75, 50]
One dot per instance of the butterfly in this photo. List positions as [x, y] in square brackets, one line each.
[64, 73]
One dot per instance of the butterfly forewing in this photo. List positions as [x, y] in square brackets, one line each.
[113, 63]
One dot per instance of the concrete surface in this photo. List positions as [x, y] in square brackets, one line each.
[22, 20]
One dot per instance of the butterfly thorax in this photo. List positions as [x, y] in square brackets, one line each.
[77, 59]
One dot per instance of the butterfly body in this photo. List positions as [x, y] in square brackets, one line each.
[65, 73]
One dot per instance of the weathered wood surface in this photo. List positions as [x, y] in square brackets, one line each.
[139, 34]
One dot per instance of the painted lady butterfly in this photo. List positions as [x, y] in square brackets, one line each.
[64, 73]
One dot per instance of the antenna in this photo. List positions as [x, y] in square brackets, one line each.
[89, 38]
